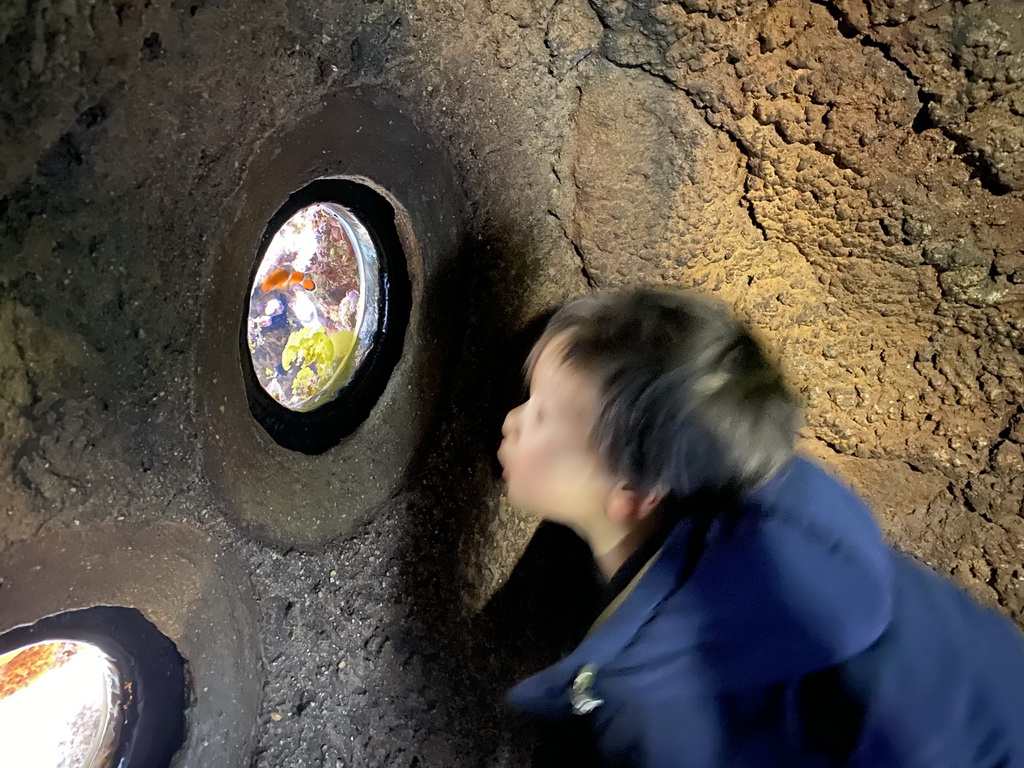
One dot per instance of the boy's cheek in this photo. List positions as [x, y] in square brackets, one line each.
[546, 488]
[526, 483]
[522, 484]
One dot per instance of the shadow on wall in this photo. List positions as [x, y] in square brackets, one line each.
[470, 657]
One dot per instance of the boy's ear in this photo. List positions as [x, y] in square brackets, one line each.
[626, 504]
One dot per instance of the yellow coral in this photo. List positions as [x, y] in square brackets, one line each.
[308, 345]
[305, 382]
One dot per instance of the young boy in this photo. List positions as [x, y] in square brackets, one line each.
[760, 619]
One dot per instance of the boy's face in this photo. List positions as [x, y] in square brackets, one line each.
[551, 467]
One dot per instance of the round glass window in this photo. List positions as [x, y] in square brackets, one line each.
[60, 706]
[314, 308]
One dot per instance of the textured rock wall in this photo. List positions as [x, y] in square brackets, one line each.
[847, 174]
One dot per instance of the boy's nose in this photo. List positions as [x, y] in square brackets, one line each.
[511, 426]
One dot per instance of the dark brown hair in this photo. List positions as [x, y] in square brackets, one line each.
[688, 401]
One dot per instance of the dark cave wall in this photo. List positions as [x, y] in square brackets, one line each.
[846, 174]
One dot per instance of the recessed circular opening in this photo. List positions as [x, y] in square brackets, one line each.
[60, 705]
[328, 303]
[92, 688]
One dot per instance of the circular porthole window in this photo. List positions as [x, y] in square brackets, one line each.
[313, 309]
[90, 689]
[60, 705]
[327, 307]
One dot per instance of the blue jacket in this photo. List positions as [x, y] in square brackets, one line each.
[799, 639]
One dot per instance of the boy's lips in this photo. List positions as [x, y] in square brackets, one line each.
[501, 460]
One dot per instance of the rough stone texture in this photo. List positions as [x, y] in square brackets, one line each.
[847, 174]
[968, 65]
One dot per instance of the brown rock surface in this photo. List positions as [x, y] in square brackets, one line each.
[847, 174]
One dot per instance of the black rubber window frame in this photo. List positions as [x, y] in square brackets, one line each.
[316, 431]
[154, 676]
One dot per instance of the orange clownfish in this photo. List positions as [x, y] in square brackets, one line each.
[283, 277]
